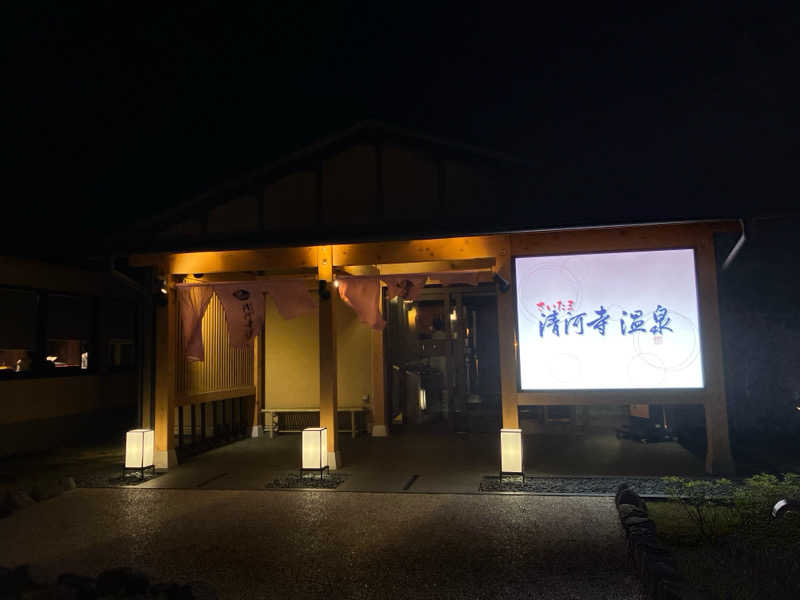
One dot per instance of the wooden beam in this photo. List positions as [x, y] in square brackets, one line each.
[441, 249]
[609, 397]
[166, 346]
[259, 382]
[604, 239]
[378, 382]
[227, 261]
[507, 340]
[188, 399]
[718, 451]
[328, 401]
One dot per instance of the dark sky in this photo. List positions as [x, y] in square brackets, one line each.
[118, 109]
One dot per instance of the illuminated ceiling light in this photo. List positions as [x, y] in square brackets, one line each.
[511, 453]
[315, 450]
[139, 451]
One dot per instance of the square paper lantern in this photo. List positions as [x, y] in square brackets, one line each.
[139, 448]
[511, 451]
[315, 448]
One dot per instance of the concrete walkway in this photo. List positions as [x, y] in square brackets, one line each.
[441, 462]
[303, 544]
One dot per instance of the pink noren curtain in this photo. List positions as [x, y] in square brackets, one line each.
[193, 302]
[244, 309]
[406, 287]
[363, 296]
[291, 297]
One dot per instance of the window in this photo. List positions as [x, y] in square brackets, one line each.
[121, 354]
[17, 328]
[120, 323]
[69, 329]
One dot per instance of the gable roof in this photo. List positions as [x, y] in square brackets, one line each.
[388, 149]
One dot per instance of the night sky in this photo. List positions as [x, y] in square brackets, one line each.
[117, 110]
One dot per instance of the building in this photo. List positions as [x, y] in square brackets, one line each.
[381, 203]
[71, 342]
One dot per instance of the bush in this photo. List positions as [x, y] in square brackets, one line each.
[731, 546]
[700, 500]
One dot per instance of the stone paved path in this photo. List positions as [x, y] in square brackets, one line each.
[302, 544]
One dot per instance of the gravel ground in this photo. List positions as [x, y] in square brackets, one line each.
[607, 486]
[307, 544]
[306, 482]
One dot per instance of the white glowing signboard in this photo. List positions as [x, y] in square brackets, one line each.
[616, 320]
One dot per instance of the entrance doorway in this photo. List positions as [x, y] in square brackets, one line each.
[443, 354]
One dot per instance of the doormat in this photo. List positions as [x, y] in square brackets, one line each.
[602, 486]
[306, 482]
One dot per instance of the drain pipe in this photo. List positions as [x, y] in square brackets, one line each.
[737, 247]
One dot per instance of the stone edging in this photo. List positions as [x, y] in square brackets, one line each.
[16, 499]
[122, 582]
[650, 557]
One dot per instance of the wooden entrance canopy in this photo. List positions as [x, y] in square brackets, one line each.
[494, 252]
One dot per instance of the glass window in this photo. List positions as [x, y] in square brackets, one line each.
[17, 328]
[120, 324]
[69, 329]
[121, 354]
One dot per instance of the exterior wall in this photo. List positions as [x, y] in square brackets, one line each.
[40, 413]
[225, 369]
[292, 359]
[37, 413]
[48, 397]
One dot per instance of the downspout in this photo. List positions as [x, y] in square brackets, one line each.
[737, 247]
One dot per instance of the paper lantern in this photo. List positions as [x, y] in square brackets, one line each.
[423, 399]
[511, 452]
[315, 449]
[139, 450]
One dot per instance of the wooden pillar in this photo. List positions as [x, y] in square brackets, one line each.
[166, 346]
[378, 380]
[327, 357]
[507, 339]
[719, 460]
[258, 376]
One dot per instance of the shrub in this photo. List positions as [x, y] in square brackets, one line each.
[701, 500]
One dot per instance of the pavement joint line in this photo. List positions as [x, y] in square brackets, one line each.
[410, 482]
[207, 481]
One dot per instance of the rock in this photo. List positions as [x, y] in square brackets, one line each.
[203, 591]
[628, 496]
[676, 589]
[121, 581]
[17, 499]
[637, 521]
[171, 591]
[14, 582]
[626, 510]
[655, 571]
[647, 528]
[84, 587]
[45, 489]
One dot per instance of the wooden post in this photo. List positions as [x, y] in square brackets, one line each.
[507, 339]
[166, 321]
[378, 395]
[719, 460]
[258, 376]
[327, 358]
